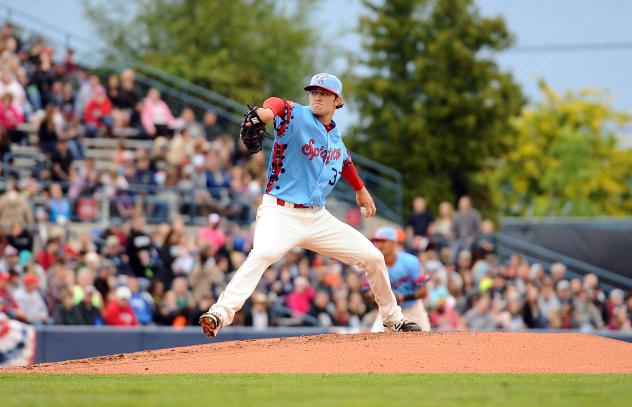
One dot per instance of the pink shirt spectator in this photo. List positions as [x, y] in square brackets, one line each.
[300, 299]
[155, 112]
[214, 237]
[10, 116]
[444, 318]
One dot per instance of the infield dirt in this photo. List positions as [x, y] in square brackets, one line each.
[466, 352]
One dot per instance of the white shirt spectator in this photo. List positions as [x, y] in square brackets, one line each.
[32, 304]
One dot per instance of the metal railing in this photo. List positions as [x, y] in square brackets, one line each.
[508, 245]
[384, 182]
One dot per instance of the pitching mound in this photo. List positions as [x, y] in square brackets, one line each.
[375, 353]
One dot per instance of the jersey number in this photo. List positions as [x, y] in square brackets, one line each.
[332, 181]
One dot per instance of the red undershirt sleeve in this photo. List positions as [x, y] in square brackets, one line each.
[276, 104]
[350, 174]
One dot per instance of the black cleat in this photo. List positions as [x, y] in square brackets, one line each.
[403, 326]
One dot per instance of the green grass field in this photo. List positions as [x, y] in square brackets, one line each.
[316, 390]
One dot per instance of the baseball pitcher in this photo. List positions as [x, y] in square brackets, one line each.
[307, 160]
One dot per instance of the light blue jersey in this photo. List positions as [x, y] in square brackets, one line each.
[405, 275]
[306, 160]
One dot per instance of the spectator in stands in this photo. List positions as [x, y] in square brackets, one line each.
[70, 66]
[466, 226]
[298, 301]
[212, 234]
[20, 238]
[258, 316]
[419, 219]
[88, 314]
[43, 78]
[10, 118]
[139, 249]
[558, 272]
[65, 312]
[30, 300]
[179, 302]
[548, 302]
[58, 205]
[113, 89]
[87, 91]
[61, 161]
[97, 115]
[532, 315]
[10, 85]
[119, 312]
[181, 147]
[156, 115]
[443, 317]
[8, 33]
[211, 130]
[187, 120]
[5, 147]
[48, 132]
[486, 240]
[14, 208]
[442, 229]
[587, 316]
[127, 105]
[141, 302]
[479, 317]
[321, 309]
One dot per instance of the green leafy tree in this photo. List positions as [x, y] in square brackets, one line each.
[243, 49]
[565, 160]
[434, 104]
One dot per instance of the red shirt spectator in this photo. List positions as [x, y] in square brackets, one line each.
[48, 255]
[118, 311]
[98, 108]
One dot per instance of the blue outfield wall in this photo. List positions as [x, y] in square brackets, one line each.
[57, 343]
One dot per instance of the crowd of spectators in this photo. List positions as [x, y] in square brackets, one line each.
[65, 105]
[168, 273]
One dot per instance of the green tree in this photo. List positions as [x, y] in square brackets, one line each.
[565, 160]
[243, 49]
[434, 105]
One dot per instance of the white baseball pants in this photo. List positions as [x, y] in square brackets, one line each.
[416, 313]
[280, 229]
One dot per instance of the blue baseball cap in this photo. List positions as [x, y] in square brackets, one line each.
[385, 233]
[326, 81]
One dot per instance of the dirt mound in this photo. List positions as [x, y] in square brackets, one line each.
[376, 353]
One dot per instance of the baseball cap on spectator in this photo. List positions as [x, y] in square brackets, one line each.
[259, 298]
[112, 241]
[127, 155]
[385, 233]
[198, 160]
[123, 293]
[327, 82]
[214, 219]
[30, 279]
[10, 251]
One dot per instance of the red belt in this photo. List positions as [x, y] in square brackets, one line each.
[281, 202]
